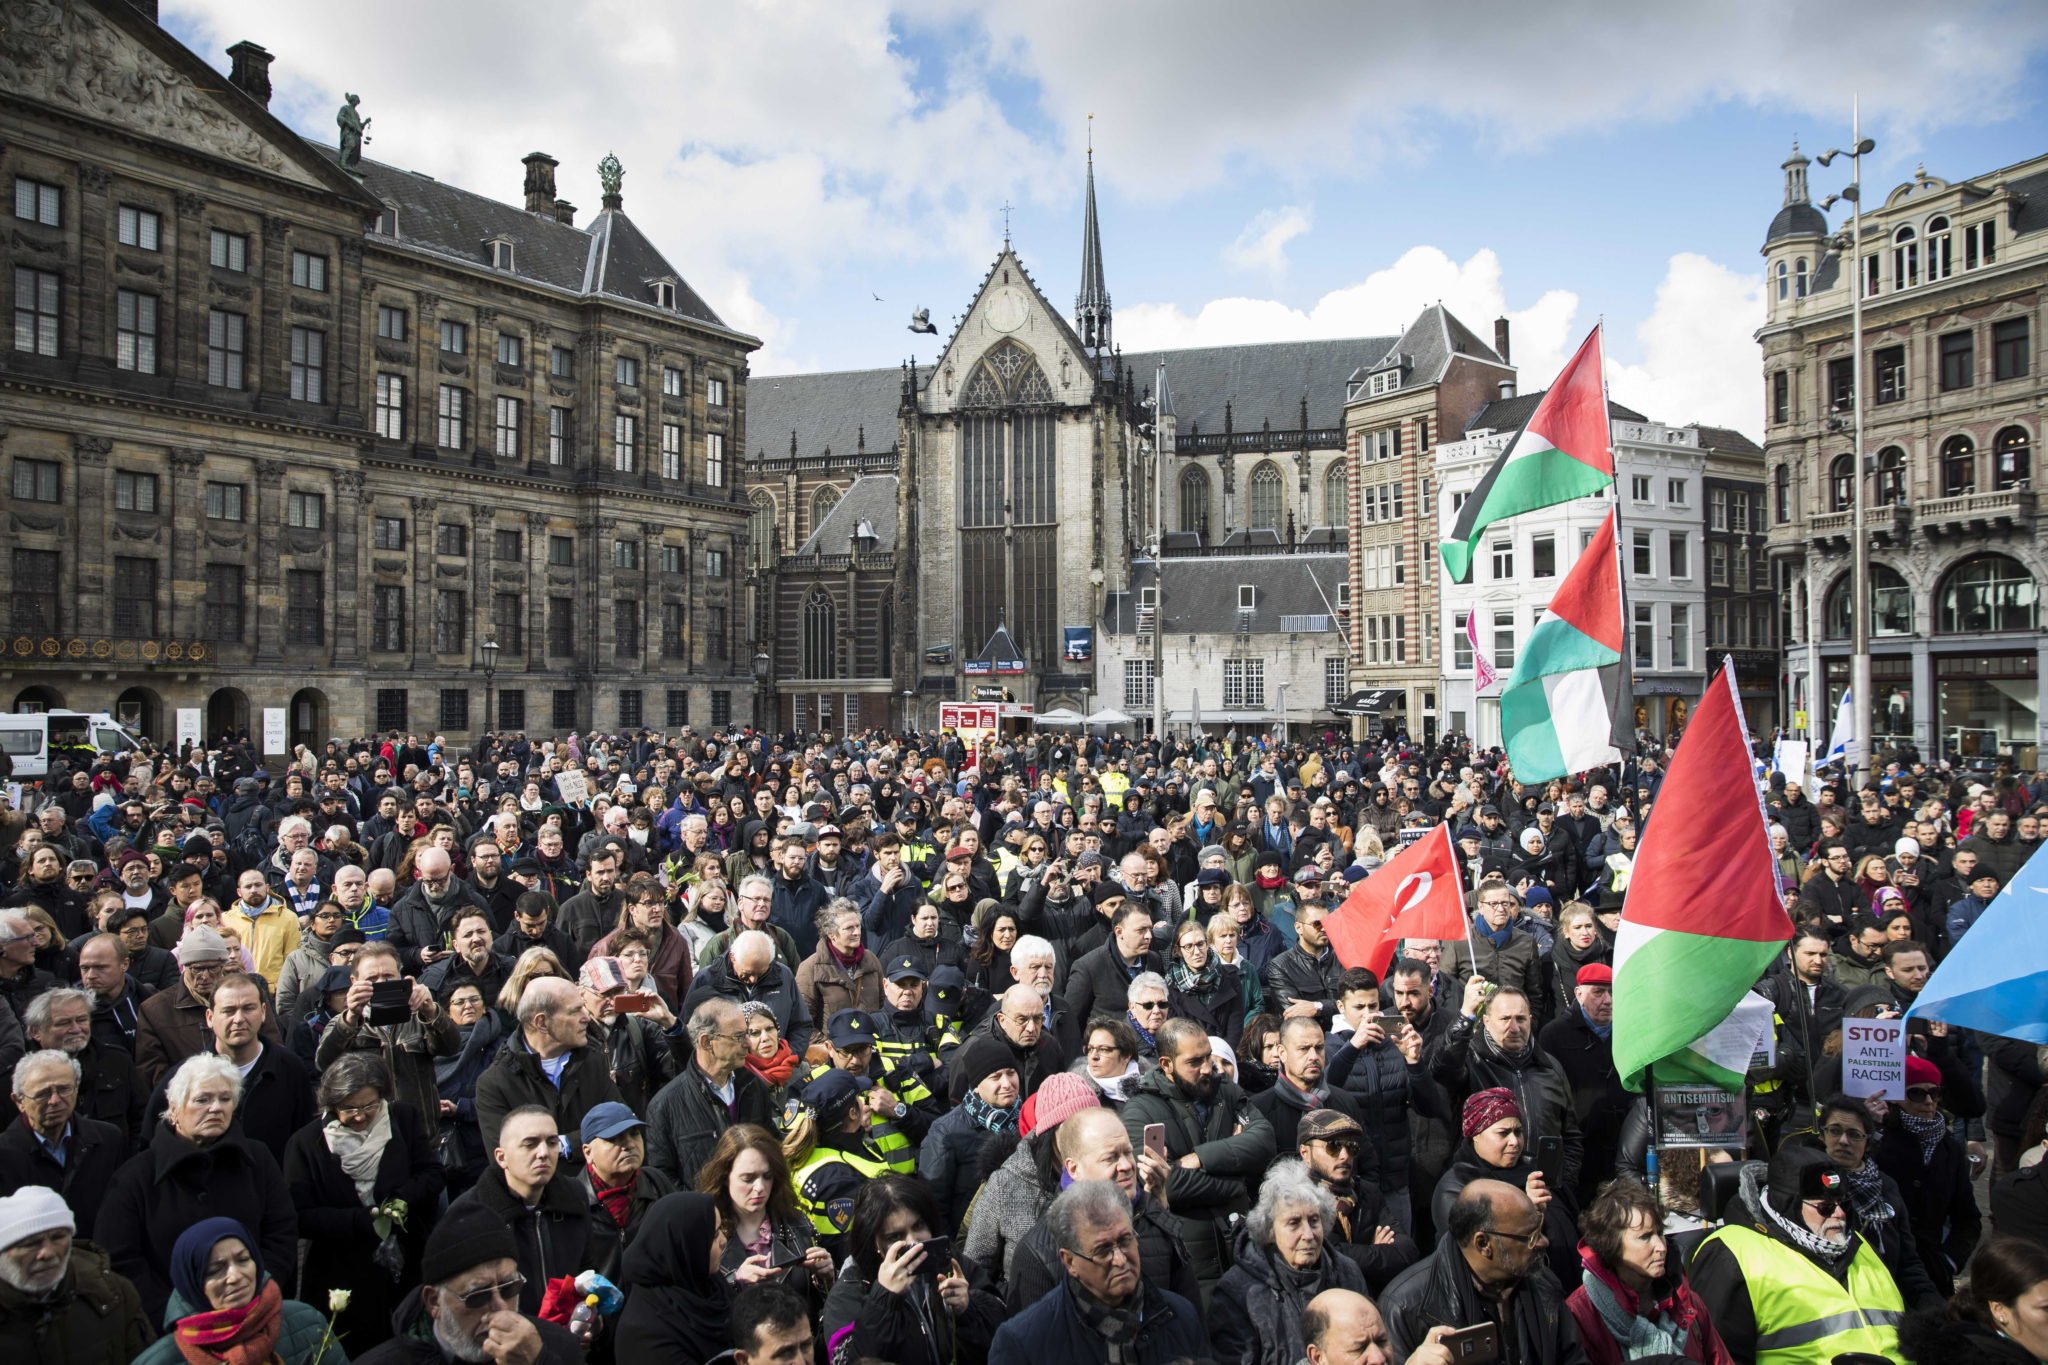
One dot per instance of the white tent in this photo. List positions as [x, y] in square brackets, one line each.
[1059, 715]
[1109, 716]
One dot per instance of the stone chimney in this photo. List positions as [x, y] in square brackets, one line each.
[565, 212]
[540, 183]
[1507, 389]
[251, 71]
[1500, 340]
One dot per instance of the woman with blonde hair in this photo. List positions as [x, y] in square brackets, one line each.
[532, 964]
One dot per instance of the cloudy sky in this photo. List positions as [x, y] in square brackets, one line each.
[1315, 169]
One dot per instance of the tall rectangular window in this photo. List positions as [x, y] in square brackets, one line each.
[507, 427]
[508, 622]
[387, 533]
[454, 337]
[562, 551]
[451, 621]
[717, 640]
[2010, 340]
[226, 348]
[1244, 684]
[454, 708]
[229, 251]
[37, 295]
[391, 708]
[1645, 635]
[671, 382]
[1679, 550]
[1503, 554]
[33, 597]
[139, 227]
[224, 501]
[512, 709]
[37, 481]
[561, 435]
[1841, 384]
[714, 458]
[223, 619]
[387, 618]
[451, 538]
[134, 492]
[1677, 492]
[309, 271]
[678, 706]
[561, 362]
[391, 406]
[562, 709]
[714, 393]
[1717, 509]
[631, 708]
[38, 202]
[134, 597]
[1890, 365]
[1781, 396]
[626, 372]
[561, 627]
[1644, 557]
[674, 622]
[1336, 680]
[451, 417]
[625, 440]
[1681, 635]
[511, 350]
[391, 322]
[714, 563]
[672, 559]
[1503, 642]
[1958, 360]
[1639, 488]
[508, 546]
[135, 331]
[1139, 681]
[671, 450]
[309, 365]
[1717, 564]
[721, 708]
[305, 617]
[626, 628]
[1543, 555]
[626, 555]
[1461, 642]
[307, 511]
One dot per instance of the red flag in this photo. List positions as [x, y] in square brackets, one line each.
[1417, 893]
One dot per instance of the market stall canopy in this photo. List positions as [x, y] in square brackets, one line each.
[1060, 715]
[1369, 702]
[1109, 716]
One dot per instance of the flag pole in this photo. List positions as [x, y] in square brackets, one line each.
[1630, 757]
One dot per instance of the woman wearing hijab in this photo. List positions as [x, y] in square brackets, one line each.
[224, 1308]
[676, 1308]
[365, 1149]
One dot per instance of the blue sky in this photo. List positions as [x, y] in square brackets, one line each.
[1319, 168]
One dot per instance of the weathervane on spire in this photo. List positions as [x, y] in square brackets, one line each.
[1006, 222]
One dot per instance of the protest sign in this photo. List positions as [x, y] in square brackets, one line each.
[573, 786]
[1874, 1058]
[1701, 1116]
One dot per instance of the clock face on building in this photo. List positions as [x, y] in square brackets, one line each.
[1006, 309]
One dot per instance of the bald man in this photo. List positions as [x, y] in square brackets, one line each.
[750, 971]
[1018, 1022]
[1341, 1327]
[425, 915]
[1490, 1251]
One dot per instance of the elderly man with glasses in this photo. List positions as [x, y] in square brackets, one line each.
[468, 1304]
[171, 1025]
[20, 979]
[54, 1145]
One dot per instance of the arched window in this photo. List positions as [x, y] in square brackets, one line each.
[1265, 498]
[1841, 488]
[1958, 467]
[1890, 481]
[1337, 495]
[1784, 282]
[2012, 458]
[1009, 504]
[1799, 278]
[822, 503]
[1891, 605]
[821, 635]
[761, 529]
[1987, 592]
[1905, 259]
[1194, 501]
[1940, 259]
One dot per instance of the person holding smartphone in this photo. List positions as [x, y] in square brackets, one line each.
[907, 1296]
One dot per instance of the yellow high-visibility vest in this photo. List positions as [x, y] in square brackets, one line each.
[1804, 1316]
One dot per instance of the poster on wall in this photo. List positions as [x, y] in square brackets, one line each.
[1080, 644]
[273, 731]
[188, 727]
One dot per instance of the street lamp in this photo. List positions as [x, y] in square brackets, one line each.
[1282, 687]
[1859, 562]
[489, 649]
[762, 666]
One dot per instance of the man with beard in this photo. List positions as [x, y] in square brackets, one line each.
[424, 914]
[1299, 1088]
[593, 912]
[1492, 1044]
[1232, 1142]
[60, 1300]
[467, 1306]
[1330, 1144]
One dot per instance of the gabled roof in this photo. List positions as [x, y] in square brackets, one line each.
[1201, 593]
[625, 264]
[1431, 342]
[1508, 414]
[1264, 382]
[1728, 441]
[836, 410]
[871, 500]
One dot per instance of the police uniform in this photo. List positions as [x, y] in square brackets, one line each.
[828, 1180]
[846, 1030]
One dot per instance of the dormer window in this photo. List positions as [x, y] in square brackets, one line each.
[499, 250]
[1386, 381]
[664, 293]
[1247, 597]
[387, 220]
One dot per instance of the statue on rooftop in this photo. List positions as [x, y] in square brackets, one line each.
[610, 177]
[354, 133]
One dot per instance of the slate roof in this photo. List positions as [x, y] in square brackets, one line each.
[1428, 346]
[611, 256]
[1508, 414]
[830, 410]
[2033, 214]
[1797, 220]
[1201, 593]
[1262, 381]
[871, 498]
[1728, 441]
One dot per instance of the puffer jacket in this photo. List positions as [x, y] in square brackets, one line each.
[1469, 1062]
[1384, 1084]
[94, 1318]
[1255, 1316]
[1235, 1144]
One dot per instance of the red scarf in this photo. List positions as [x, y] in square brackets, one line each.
[775, 1070]
[850, 963]
[237, 1336]
[617, 1201]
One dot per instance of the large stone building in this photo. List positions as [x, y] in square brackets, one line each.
[1952, 277]
[284, 435]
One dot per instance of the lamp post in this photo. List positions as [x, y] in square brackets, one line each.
[1283, 712]
[762, 665]
[489, 649]
[1859, 542]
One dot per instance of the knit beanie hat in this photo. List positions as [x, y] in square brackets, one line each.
[1800, 1172]
[1060, 1096]
[1487, 1108]
[467, 1236]
[201, 944]
[32, 1211]
[980, 1059]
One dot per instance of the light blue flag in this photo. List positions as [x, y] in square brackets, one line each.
[1844, 731]
[1995, 979]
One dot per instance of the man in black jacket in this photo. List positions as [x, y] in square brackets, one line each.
[1100, 980]
[1797, 815]
[1304, 981]
[1493, 1044]
[45, 1086]
[593, 912]
[1018, 1023]
[1330, 1145]
[717, 1090]
[749, 971]
[1832, 890]
[1299, 1088]
[549, 1063]
[556, 1228]
[423, 916]
[1582, 1044]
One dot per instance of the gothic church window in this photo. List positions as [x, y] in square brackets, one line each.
[1194, 501]
[1337, 495]
[822, 503]
[821, 630]
[1266, 498]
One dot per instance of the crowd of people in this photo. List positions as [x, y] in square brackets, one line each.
[819, 1050]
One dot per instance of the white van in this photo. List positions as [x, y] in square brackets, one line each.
[30, 739]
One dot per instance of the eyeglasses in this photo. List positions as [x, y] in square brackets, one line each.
[51, 1092]
[1923, 1092]
[507, 1290]
[1824, 1207]
[345, 1112]
[1344, 1144]
[1123, 1248]
[206, 968]
[1148, 1005]
[1836, 1132]
[1529, 1239]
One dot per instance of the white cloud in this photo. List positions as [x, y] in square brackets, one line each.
[1698, 351]
[1262, 246]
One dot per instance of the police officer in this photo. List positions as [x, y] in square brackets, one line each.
[834, 1156]
[908, 1046]
[850, 1041]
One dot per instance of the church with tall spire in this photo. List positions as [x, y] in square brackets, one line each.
[998, 524]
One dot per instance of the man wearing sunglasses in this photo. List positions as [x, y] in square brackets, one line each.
[467, 1307]
[1789, 1278]
[1331, 1144]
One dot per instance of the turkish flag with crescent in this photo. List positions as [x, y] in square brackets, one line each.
[1417, 893]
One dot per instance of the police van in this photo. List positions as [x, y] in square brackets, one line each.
[32, 739]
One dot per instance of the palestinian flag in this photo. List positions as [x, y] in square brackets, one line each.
[1562, 452]
[1566, 707]
[1702, 921]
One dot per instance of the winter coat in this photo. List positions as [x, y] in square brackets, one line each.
[302, 971]
[1298, 974]
[171, 1026]
[562, 1235]
[277, 1100]
[1354, 1233]
[795, 908]
[671, 968]
[410, 1052]
[94, 1318]
[1220, 1009]
[1099, 982]
[418, 921]
[863, 1321]
[1163, 1259]
[776, 989]
[1932, 1338]
[686, 1118]
[455, 1080]
[1587, 1061]
[340, 1236]
[172, 1184]
[1519, 963]
[643, 1057]
[1052, 1329]
[2019, 1203]
[412, 1341]
[1939, 1199]
[97, 1151]
[1385, 1088]
[1010, 1203]
[1674, 1300]
[1468, 1062]
[445, 977]
[303, 1331]
[1255, 1315]
[1438, 1291]
[1033, 1064]
[1285, 1106]
[1235, 1144]
[514, 1078]
[1559, 1215]
[949, 1161]
[828, 988]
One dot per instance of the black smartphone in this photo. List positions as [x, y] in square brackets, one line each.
[1550, 1161]
[782, 1257]
[938, 1258]
[1474, 1345]
[390, 1002]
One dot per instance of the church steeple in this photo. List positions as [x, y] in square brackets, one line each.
[1091, 305]
[1795, 177]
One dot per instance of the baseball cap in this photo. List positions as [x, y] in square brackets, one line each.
[609, 1120]
[829, 832]
[851, 1028]
[1308, 875]
[905, 968]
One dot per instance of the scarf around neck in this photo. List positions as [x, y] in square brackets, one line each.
[617, 1199]
[1189, 982]
[1928, 1132]
[360, 1153]
[1832, 1255]
[1638, 1336]
[1497, 937]
[993, 1118]
[1603, 1031]
[778, 1069]
[1866, 1194]
[1117, 1327]
[234, 1336]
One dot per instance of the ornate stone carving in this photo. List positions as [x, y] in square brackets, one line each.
[352, 252]
[26, 241]
[28, 523]
[270, 473]
[187, 457]
[92, 450]
[95, 178]
[276, 225]
[190, 204]
[486, 317]
[231, 291]
[429, 302]
[349, 483]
